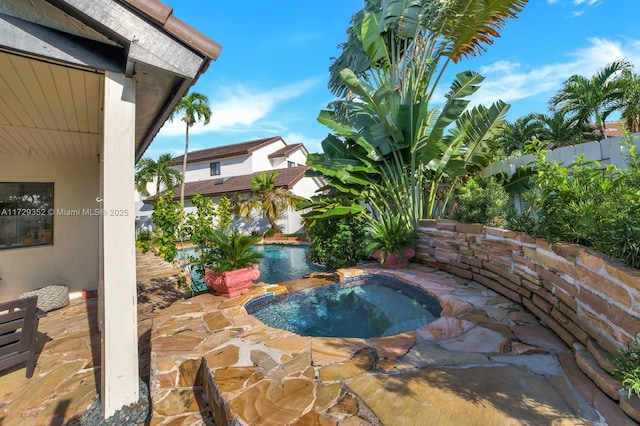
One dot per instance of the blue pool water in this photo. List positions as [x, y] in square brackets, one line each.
[281, 262]
[373, 306]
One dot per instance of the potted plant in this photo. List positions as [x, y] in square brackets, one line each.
[229, 262]
[391, 241]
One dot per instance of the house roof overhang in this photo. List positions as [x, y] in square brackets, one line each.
[241, 184]
[75, 41]
[228, 151]
[288, 150]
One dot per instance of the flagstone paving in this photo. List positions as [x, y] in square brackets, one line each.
[486, 361]
[67, 375]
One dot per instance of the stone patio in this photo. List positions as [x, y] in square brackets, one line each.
[487, 361]
[67, 375]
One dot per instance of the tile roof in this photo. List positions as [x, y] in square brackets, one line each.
[243, 148]
[613, 129]
[286, 178]
[283, 152]
[162, 15]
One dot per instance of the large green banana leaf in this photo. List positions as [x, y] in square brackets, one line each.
[391, 144]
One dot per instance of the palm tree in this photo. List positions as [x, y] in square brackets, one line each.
[515, 135]
[194, 106]
[631, 102]
[270, 200]
[160, 171]
[557, 131]
[592, 99]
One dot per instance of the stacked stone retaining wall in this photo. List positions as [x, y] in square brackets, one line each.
[588, 300]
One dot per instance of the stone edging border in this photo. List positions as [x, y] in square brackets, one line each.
[591, 302]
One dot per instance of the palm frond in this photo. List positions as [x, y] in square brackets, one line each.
[470, 25]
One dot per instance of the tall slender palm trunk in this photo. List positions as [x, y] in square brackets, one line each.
[184, 167]
[600, 125]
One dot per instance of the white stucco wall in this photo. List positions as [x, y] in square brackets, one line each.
[260, 157]
[608, 151]
[228, 167]
[305, 187]
[299, 157]
[278, 163]
[73, 259]
[292, 223]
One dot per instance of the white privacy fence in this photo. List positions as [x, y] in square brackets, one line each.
[608, 151]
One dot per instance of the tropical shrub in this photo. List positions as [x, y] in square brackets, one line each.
[229, 251]
[627, 367]
[390, 235]
[591, 205]
[144, 236]
[481, 201]
[225, 215]
[166, 217]
[524, 220]
[198, 226]
[337, 241]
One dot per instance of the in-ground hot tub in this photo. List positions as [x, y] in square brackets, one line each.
[363, 307]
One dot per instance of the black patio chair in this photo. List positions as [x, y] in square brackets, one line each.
[18, 328]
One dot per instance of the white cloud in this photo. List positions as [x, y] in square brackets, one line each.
[583, 4]
[312, 144]
[511, 81]
[238, 108]
[500, 66]
[578, 2]
[602, 51]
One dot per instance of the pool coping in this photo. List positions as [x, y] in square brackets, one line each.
[213, 345]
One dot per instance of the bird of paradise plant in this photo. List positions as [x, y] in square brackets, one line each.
[388, 146]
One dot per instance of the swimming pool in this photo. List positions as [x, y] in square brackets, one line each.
[284, 262]
[371, 306]
[281, 262]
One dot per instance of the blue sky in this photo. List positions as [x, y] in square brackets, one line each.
[271, 77]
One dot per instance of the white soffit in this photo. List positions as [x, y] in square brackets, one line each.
[47, 109]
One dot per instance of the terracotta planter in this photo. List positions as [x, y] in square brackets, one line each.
[393, 261]
[89, 294]
[232, 283]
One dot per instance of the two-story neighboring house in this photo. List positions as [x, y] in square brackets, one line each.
[228, 170]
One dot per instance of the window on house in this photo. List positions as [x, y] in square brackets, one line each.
[291, 164]
[26, 214]
[215, 168]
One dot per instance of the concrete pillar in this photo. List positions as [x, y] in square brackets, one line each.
[118, 297]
